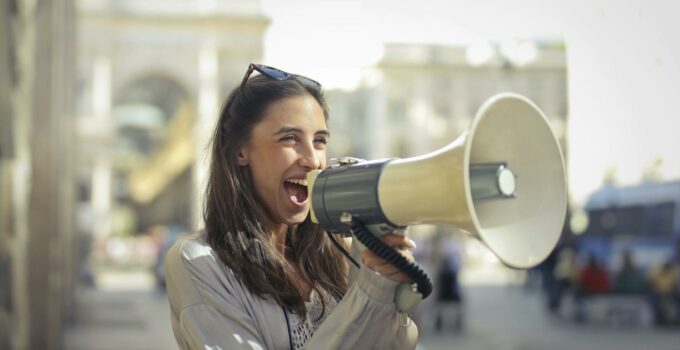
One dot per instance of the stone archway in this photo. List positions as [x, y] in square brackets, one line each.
[154, 117]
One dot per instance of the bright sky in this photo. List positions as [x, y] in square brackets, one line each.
[623, 63]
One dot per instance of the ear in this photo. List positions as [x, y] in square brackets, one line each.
[242, 157]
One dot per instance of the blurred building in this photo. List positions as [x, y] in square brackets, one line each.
[37, 240]
[420, 97]
[105, 110]
[643, 220]
[151, 78]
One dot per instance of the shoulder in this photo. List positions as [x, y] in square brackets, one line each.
[194, 256]
[194, 272]
[210, 305]
[190, 247]
[192, 251]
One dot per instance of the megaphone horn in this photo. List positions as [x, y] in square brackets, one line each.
[502, 181]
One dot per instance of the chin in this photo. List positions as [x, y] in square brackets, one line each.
[297, 218]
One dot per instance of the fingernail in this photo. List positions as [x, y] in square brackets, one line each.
[413, 244]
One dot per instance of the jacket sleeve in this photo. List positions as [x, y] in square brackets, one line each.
[206, 313]
[366, 317]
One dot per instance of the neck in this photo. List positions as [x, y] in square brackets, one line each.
[278, 236]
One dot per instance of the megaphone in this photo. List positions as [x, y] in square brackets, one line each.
[503, 181]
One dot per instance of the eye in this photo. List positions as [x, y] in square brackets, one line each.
[321, 140]
[288, 138]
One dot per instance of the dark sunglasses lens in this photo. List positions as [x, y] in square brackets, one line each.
[309, 82]
[273, 73]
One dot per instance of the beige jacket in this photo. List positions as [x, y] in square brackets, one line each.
[211, 309]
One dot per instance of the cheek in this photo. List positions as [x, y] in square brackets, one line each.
[260, 174]
[269, 167]
[268, 171]
[322, 158]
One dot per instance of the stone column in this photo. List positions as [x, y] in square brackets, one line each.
[6, 190]
[205, 122]
[102, 168]
[378, 127]
[43, 237]
[419, 116]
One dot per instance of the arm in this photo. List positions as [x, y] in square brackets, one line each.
[366, 317]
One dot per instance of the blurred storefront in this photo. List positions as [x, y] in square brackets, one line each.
[106, 107]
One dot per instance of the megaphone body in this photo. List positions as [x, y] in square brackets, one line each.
[503, 181]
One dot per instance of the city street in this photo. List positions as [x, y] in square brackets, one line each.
[126, 313]
[512, 318]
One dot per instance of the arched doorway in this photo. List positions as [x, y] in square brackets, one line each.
[154, 118]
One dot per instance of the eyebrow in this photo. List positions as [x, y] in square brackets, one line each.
[287, 129]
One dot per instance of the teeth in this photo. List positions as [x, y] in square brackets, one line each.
[301, 182]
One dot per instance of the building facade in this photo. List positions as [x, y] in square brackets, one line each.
[105, 110]
[151, 78]
[419, 98]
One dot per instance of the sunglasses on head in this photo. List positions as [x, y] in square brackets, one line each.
[277, 74]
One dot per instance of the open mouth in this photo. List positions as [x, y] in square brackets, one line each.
[297, 190]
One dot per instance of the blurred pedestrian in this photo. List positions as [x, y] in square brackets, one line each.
[663, 294]
[629, 279]
[593, 280]
[158, 235]
[448, 293]
[566, 276]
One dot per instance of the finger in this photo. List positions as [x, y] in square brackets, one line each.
[401, 278]
[381, 266]
[387, 270]
[375, 263]
[400, 241]
[368, 255]
[378, 260]
[407, 254]
[392, 273]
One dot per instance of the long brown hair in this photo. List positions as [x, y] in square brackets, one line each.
[234, 216]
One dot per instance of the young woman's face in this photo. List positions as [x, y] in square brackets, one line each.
[289, 142]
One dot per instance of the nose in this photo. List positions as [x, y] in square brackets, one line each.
[310, 158]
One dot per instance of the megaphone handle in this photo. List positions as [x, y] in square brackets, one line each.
[405, 296]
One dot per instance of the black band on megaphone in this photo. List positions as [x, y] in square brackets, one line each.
[349, 189]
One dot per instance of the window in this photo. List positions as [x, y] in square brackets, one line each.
[647, 220]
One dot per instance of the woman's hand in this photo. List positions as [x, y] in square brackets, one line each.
[377, 264]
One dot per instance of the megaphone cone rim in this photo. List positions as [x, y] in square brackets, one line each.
[479, 116]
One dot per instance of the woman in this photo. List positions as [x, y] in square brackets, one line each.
[262, 275]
